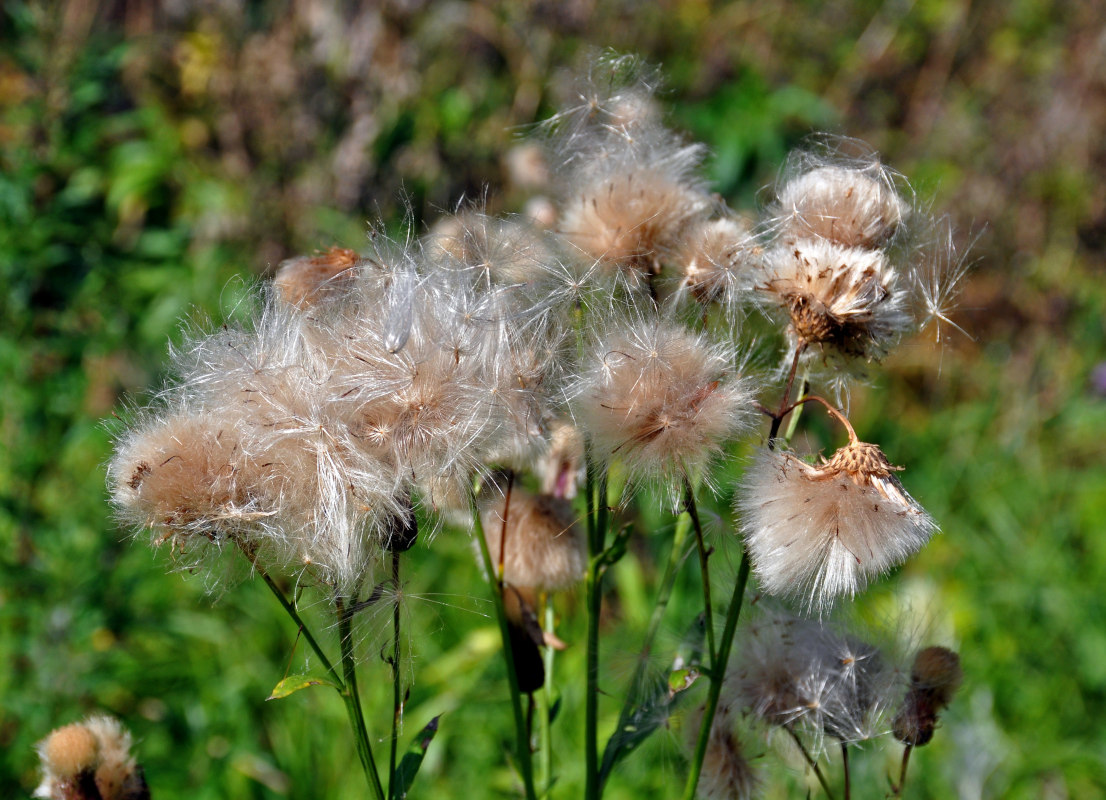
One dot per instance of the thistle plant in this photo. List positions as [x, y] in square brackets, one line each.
[528, 384]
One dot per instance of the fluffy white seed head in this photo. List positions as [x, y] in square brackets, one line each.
[728, 772]
[628, 212]
[716, 259]
[814, 677]
[660, 398]
[306, 281]
[543, 549]
[855, 205]
[815, 533]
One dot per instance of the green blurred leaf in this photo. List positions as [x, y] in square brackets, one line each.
[294, 683]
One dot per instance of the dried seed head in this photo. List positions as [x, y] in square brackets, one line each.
[937, 670]
[817, 532]
[543, 549]
[560, 465]
[853, 206]
[813, 676]
[660, 398]
[307, 280]
[182, 475]
[843, 301]
[69, 750]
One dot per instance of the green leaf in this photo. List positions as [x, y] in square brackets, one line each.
[294, 683]
[412, 759]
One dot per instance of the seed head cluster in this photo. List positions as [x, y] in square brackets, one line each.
[371, 388]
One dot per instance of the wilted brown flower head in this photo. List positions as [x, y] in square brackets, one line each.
[933, 681]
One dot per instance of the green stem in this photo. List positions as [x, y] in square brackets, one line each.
[597, 536]
[664, 593]
[397, 680]
[522, 738]
[353, 699]
[353, 707]
[793, 423]
[704, 567]
[545, 731]
[717, 677]
[812, 762]
[845, 767]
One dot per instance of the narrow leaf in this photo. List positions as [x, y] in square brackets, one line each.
[412, 759]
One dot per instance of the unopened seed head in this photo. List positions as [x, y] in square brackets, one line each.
[543, 549]
[937, 670]
[853, 206]
[816, 533]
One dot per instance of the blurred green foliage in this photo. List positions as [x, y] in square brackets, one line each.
[154, 163]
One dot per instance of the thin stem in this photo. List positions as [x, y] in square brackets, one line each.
[811, 762]
[353, 699]
[353, 706]
[597, 538]
[522, 739]
[545, 731]
[845, 767]
[896, 791]
[503, 530]
[397, 681]
[793, 423]
[704, 567]
[777, 418]
[853, 438]
[717, 676]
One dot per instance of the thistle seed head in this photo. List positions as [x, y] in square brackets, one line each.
[815, 533]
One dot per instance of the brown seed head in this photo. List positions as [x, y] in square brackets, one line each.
[544, 549]
[304, 281]
[70, 750]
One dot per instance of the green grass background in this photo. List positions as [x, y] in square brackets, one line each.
[156, 162]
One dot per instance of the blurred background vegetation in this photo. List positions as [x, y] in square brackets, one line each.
[158, 159]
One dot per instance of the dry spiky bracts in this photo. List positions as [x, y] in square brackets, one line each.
[537, 535]
[90, 761]
[843, 304]
[813, 678]
[816, 532]
[660, 398]
[934, 679]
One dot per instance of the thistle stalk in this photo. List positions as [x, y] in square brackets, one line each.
[704, 567]
[717, 677]
[522, 737]
[597, 536]
[345, 688]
